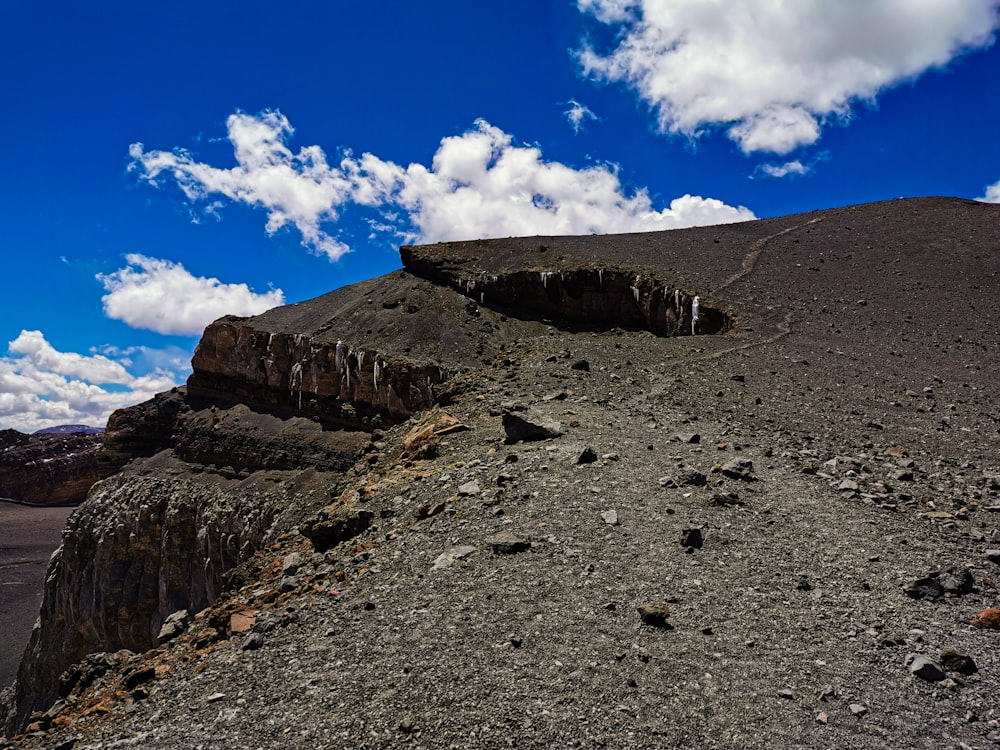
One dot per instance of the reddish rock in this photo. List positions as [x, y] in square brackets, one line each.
[47, 469]
[988, 619]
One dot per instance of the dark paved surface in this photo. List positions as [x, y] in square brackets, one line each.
[28, 536]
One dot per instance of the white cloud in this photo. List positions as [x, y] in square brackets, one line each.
[992, 194]
[577, 114]
[43, 387]
[165, 297]
[298, 189]
[480, 184]
[783, 170]
[773, 73]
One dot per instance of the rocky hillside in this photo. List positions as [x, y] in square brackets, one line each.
[47, 468]
[504, 498]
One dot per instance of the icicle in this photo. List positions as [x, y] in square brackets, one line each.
[600, 277]
[481, 295]
[295, 381]
[341, 354]
[677, 301]
[635, 293]
[377, 373]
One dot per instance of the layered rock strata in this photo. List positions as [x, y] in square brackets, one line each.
[47, 469]
[281, 405]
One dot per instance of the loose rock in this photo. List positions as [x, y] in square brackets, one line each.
[925, 669]
[958, 661]
[529, 426]
[692, 539]
[506, 543]
[654, 614]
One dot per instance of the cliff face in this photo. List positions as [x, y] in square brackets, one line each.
[47, 469]
[834, 431]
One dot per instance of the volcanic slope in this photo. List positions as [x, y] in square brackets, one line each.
[774, 536]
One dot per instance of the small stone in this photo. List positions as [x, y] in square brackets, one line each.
[408, 725]
[289, 583]
[447, 558]
[692, 478]
[506, 543]
[988, 619]
[925, 588]
[958, 583]
[291, 564]
[468, 489]
[240, 622]
[529, 426]
[610, 517]
[848, 485]
[692, 539]
[925, 669]
[725, 500]
[957, 661]
[215, 697]
[858, 709]
[739, 468]
[174, 625]
[786, 694]
[822, 718]
[253, 642]
[581, 364]
[654, 614]
[138, 677]
[993, 555]
[588, 456]
[692, 438]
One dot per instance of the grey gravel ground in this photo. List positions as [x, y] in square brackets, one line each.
[753, 540]
[28, 537]
[789, 627]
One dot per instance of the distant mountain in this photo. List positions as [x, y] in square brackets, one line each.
[66, 429]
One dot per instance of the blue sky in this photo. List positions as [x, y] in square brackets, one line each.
[166, 163]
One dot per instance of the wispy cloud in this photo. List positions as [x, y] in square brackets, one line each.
[41, 386]
[782, 170]
[774, 73]
[578, 114]
[162, 296]
[479, 184]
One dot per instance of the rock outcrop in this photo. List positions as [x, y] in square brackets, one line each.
[791, 475]
[47, 469]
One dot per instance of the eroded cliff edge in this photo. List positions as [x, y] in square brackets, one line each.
[47, 469]
[279, 408]
[276, 412]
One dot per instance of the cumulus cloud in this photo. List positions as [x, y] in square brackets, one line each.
[992, 194]
[165, 297]
[774, 73]
[300, 189]
[41, 386]
[577, 114]
[479, 184]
